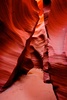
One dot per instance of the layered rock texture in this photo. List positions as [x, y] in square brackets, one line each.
[33, 33]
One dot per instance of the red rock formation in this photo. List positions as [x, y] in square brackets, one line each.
[58, 75]
[13, 38]
[57, 30]
[23, 38]
[28, 31]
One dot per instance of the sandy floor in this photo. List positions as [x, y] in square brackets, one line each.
[30, 87]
